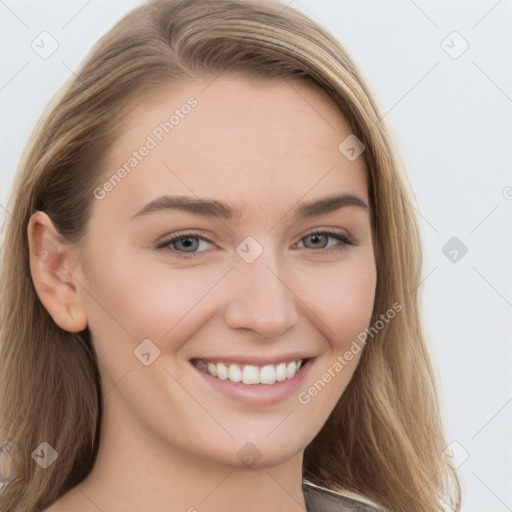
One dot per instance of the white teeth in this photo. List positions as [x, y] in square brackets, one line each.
[249, 373]
[235, 373]
[291, 369]
[212, 369]
[268, 374]
[281, 372]
[222, 372]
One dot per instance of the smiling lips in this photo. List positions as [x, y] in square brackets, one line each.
[249, 373]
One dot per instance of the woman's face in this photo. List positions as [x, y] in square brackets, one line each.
[241, 172]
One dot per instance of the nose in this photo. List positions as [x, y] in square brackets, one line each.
[261, 300]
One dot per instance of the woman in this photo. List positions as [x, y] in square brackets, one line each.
[190, 344]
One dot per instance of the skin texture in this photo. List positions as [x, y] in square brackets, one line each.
[169, 440]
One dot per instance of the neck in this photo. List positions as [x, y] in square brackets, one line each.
[134, 472]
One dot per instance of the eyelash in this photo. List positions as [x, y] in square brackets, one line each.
[167, 242]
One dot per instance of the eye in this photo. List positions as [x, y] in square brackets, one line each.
[187, 245]
[188, 242]
[319, 240]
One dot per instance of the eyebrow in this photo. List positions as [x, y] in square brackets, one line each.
[213, 208]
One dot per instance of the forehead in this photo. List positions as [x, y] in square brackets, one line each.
[266, 143]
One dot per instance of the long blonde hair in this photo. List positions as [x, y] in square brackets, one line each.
[384, 439]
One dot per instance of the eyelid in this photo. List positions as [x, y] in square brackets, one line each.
[168, 239]
[333, 232]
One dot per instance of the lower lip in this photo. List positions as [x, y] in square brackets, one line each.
[259, 395]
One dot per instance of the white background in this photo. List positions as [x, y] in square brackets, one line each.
[451, 119]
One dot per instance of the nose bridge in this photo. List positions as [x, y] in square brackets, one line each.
[260, 298]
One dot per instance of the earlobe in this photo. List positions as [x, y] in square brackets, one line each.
[52, 266]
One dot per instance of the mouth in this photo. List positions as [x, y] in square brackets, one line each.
[250, 374]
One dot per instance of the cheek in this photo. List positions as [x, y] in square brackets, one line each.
[344, 304]
[135, 301]
[342, 299]
[355, 302]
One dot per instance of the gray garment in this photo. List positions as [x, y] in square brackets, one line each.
[320, 500]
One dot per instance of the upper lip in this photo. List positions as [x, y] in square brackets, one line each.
[253, 360]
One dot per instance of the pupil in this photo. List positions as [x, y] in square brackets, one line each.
[187, 242]
[315, 238]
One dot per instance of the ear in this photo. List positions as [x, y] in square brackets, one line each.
[52, 266]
